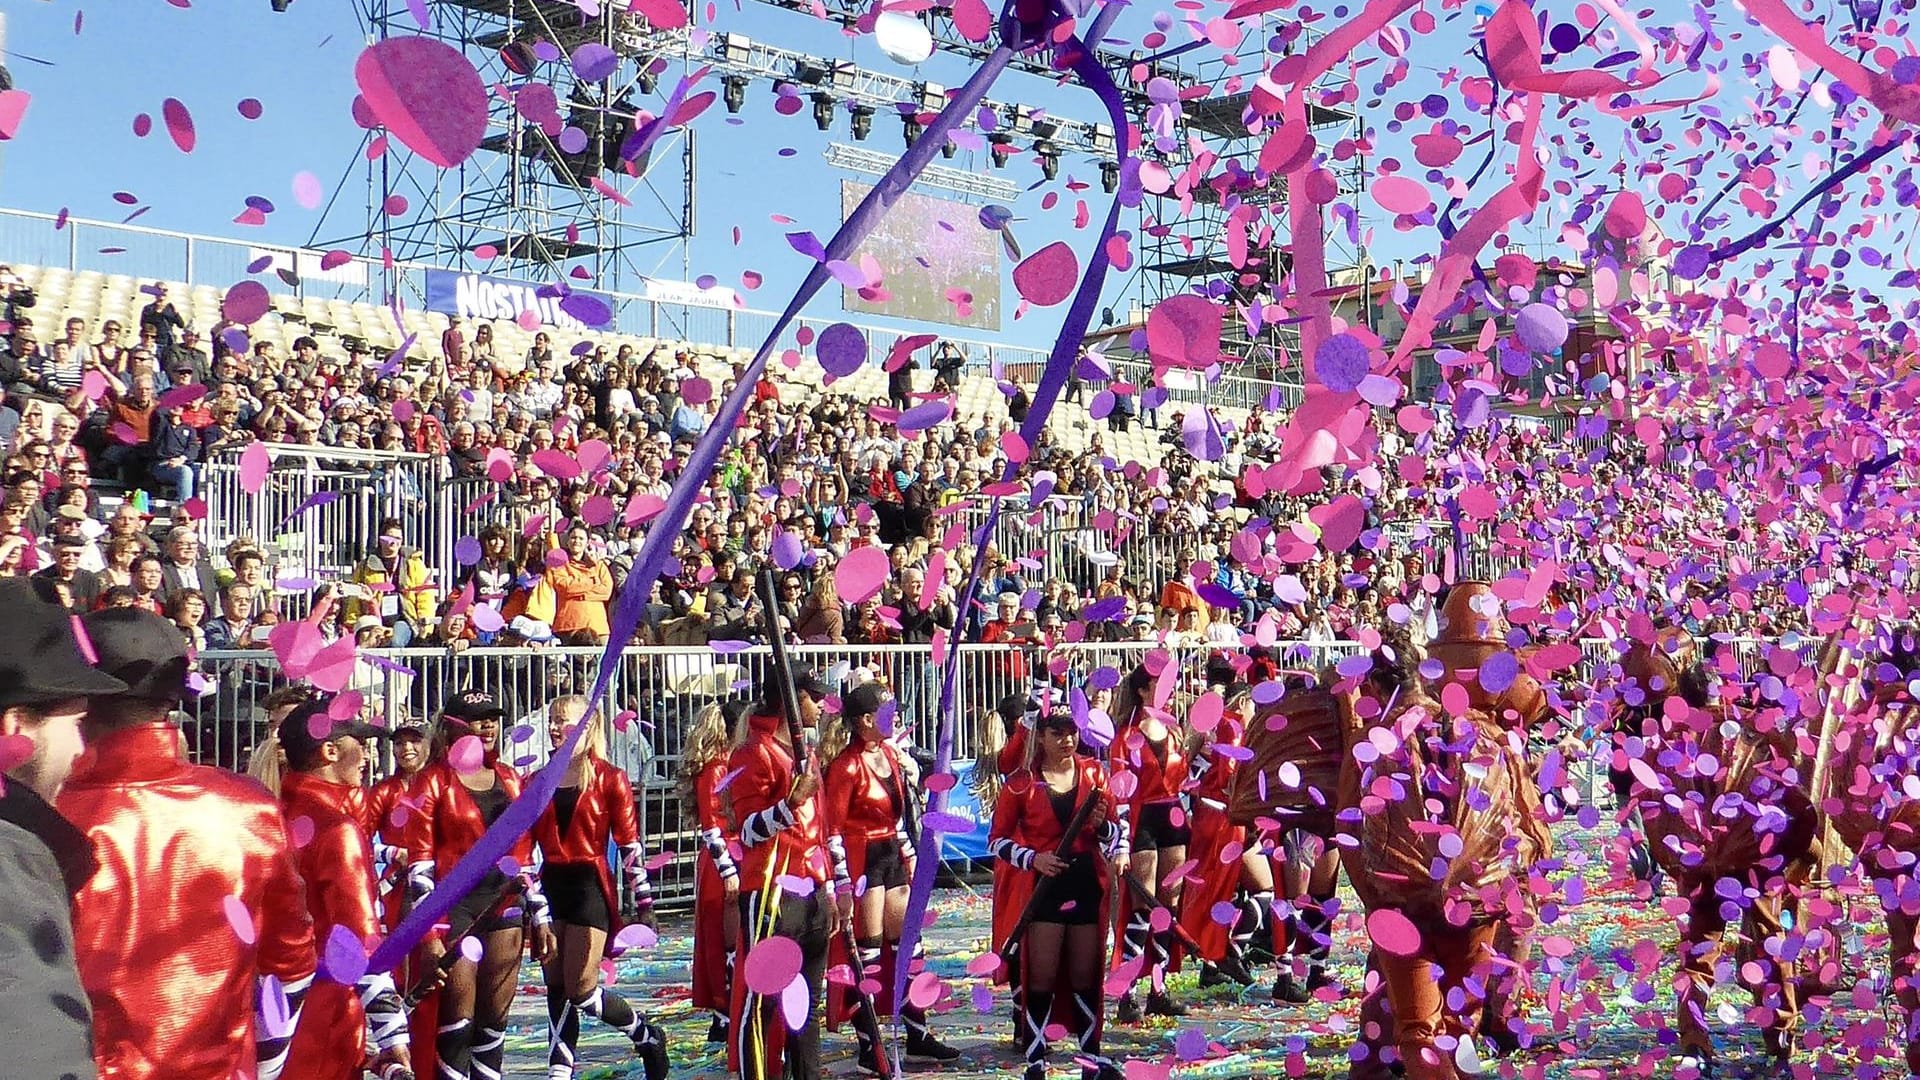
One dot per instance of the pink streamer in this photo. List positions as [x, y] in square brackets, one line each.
[1901, 102]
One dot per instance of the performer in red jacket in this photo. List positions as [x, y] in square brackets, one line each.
[1151, 754]
[452, 810]
[175, 991]
[783, 832]
[716, 881]
[325, 760]
[869, 787]
[1062, 958]
[594, 803]
[1222, 861]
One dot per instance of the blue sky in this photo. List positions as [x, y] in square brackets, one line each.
[77, 148]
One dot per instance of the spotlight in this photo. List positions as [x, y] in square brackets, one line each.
[1049, 160]
[733, 90]
[948, 149]
[282, 5]
[1000, 147]
[822, 110]
[1109, 177]
[862, 122]
[649, 79]
[910, 129]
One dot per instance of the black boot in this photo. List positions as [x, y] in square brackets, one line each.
[1211, 976]
[1289, 991]
[651, 1045]
[1160, 1004]
[720, 1029]
[929, 1046]
[1235, 968]
[1128, 1011]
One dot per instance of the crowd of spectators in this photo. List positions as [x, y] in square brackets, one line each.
[1173, 549]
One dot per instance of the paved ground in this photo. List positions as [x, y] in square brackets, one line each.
[1604, 1015]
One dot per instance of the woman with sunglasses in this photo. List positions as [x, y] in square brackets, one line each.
[456, 801]
[1059, 962]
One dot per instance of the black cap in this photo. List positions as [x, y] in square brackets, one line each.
[805, 681]
[43, 662]
[862, 700]
[472, 704]
[142, 650]
[308, 727]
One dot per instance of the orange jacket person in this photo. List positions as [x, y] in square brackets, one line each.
[197, 915]
[325, 760]
[593, 804]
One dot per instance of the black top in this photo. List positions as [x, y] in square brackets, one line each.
[492, 802]
[1064, 803]
[564, 801]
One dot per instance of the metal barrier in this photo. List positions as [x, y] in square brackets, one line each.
[655, 695]
[320, 507]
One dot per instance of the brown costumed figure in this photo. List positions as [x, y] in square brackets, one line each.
[1444, 817]
[1723, 795]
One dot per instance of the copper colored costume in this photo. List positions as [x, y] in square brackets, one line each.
[196, 901]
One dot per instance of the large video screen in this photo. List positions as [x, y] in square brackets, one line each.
[925, 247]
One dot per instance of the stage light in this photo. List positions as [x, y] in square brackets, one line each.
[1049, 160]
[1000, 147]
[910, 129]
[733, 90]
[862, 122]
[282, 5]
[649, 79]
[948, 149]
[1109, 177]
[822, 110]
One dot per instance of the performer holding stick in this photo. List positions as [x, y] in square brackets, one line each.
[1224, 950]
[716, 882]
[594, 804]
[869, 801]
[454, 810]
[775, 797]
[1060, 954]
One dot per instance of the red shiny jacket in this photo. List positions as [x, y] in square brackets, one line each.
[1216, 781]
[1159, 771]
[381, 799]
[778, 838]
[337, 863]
[448, 822]
[861, 800]
[1024, 812]
[605, 809]
[188, 853]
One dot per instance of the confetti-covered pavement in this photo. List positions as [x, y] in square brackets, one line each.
[1607, 1012]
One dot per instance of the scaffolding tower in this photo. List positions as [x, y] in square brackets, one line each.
[534, 203]
[1183, 236]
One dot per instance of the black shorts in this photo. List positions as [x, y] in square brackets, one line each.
[1071, 898]
[886, 865]
[471, 914]
[574, 896]
[1157, 830]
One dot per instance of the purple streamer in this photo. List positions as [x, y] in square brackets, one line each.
[1860, 161]
[1053, 380]
[652, 559]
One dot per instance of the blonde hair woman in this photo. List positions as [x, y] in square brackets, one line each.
[593, 804]
[716, 883]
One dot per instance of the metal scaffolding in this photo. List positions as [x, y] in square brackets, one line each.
[1183, 231]
[536, 205]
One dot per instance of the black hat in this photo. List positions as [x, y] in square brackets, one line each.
[472, 704]
[142, 650]
[862, 700]
[308, 727]
[43, 662]
[805, 681]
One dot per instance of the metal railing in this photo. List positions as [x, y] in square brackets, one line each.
[655, 694]
[320, 508]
